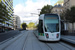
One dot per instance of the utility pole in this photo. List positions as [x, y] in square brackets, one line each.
[34, 14]
[39, 11]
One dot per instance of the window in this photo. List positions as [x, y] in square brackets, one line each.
[51, 23]
[52, 27]
[40, 26]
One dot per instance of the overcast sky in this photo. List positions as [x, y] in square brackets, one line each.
[24, 8]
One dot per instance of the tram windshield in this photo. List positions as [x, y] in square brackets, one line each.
[51, 24]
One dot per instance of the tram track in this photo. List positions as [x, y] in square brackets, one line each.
[37, 40]
[45, 43]
[65, 46]
[23, 48]
[58, 43]
[48, 46]
[11, 42]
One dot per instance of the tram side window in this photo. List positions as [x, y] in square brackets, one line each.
[40, 27]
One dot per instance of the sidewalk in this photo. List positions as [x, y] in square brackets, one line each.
[68, 38]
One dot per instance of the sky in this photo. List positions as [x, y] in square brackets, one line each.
[24, 8]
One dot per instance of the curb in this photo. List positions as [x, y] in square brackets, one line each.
[68, 40]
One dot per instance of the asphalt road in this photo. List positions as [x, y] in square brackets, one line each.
[9, 34]
[28, 41]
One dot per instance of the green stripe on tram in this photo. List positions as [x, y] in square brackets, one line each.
[42, 34]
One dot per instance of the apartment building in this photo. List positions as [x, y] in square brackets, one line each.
[16, 22]
[7, 23]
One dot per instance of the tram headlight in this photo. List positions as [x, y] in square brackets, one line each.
[57, 35]
[47, 36]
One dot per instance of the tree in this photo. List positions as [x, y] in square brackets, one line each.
[46, 9]
[72, 16]
[69, 15]
[24, 25]
[65, 15]
[37, 26]
[31, 25]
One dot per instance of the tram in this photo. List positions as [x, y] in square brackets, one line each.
[49, 27]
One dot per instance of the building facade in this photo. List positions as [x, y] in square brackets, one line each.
[68, 4]
[16, 22]
[58, 7]
[7, 24]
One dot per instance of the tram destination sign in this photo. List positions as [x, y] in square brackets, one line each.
[51, 18]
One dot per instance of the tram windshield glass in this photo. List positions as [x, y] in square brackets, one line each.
[51, 23]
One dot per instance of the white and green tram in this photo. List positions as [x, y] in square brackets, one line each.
[49, 27]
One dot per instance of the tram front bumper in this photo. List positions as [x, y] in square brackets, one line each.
[50, 39]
